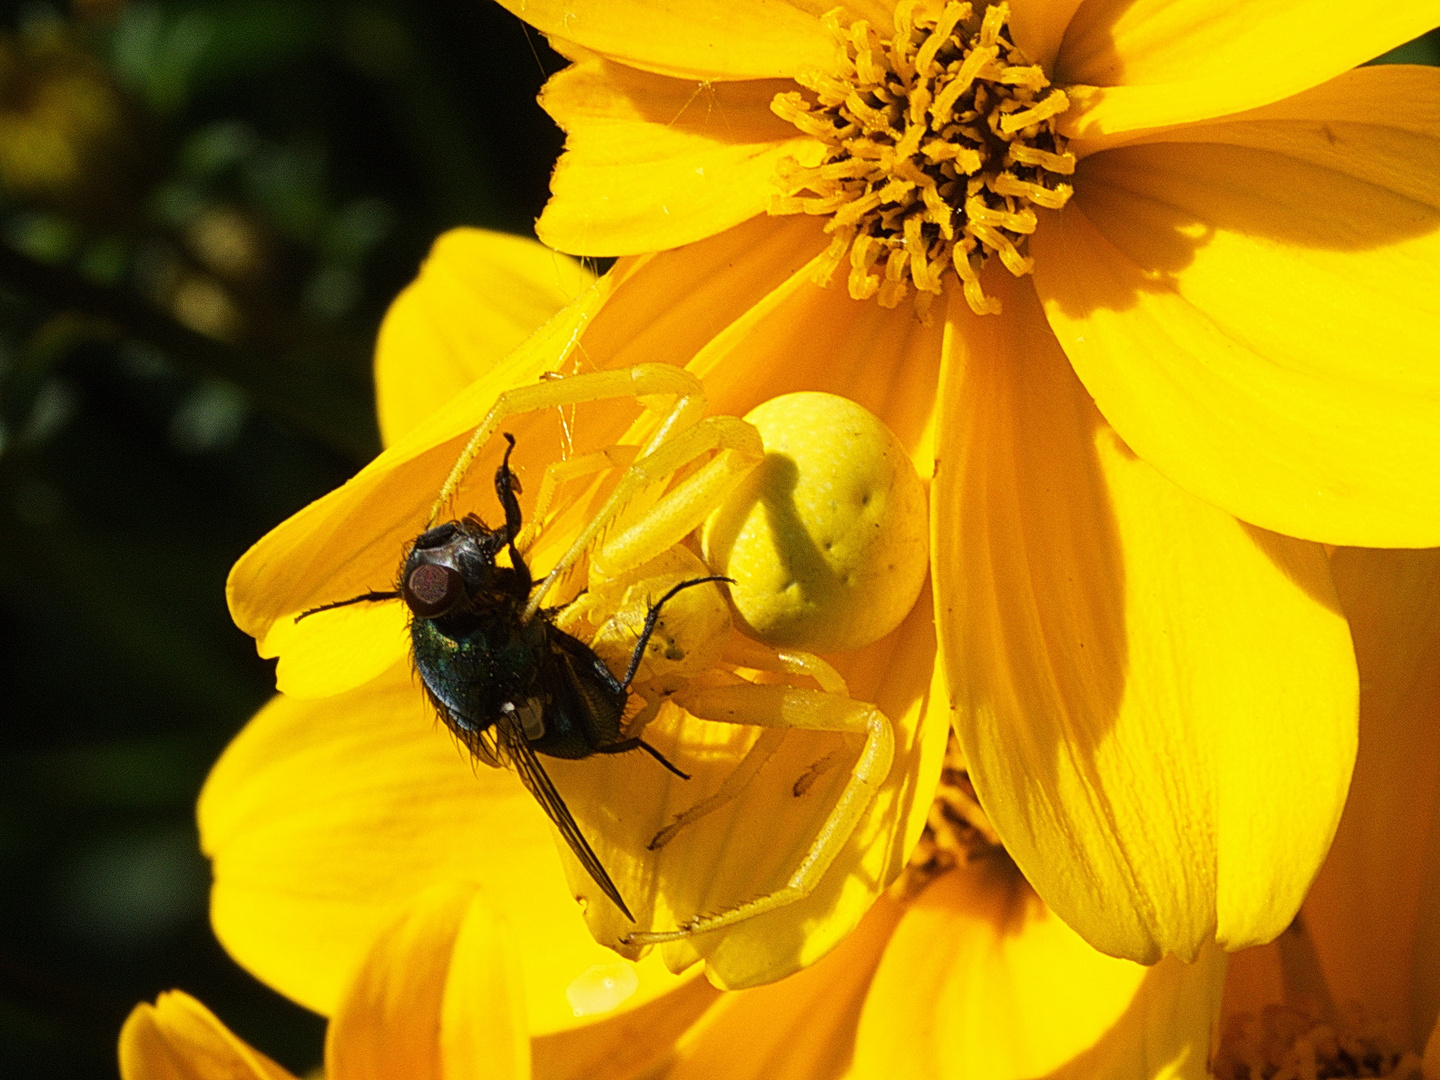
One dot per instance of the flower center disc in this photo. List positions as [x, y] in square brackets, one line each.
[1299, 1040]
[938, 145]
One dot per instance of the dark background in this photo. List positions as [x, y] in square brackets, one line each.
[186, 323]
[204, 210]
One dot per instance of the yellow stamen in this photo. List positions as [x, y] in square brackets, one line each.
[1064, 164]
[964, 79]
[1050, 198]
[1300, 1041]
[939, 37]
[1053, 105]
[1031, 75]
[957, 832]
[995, 19]
[939, 143]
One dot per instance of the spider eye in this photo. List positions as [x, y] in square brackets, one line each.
[431, 590]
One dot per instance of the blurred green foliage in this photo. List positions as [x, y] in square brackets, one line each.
[204, 209]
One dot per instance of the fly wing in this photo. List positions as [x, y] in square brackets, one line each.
[512, 743]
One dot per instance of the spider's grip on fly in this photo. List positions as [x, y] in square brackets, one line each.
[520, 682]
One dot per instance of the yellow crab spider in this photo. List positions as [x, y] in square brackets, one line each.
[689, 654]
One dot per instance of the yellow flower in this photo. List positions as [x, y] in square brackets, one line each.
[436, 996]
[1226, 327]
[342, 799]
[974, 978]
[1243, 239]
[971, 976]
[1358, 968]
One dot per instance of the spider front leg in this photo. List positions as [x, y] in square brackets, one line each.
[667, 522]
[558, 473]
[640, 381]
[786, 707]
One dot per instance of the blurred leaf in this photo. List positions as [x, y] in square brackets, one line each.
[1423, 50]
[304, 388]
[106, 260]
[249, 36]
[124, 889]
[141, 773]
[358, 227]
[217, 147]
[32, 404]
[155, 54]
[167, 55]
[288, 184]
[209, 418]
[50, 238]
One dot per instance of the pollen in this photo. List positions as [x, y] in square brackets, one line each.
[939, 144]
[1301, 1042]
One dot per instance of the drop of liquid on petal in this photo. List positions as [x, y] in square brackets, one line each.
[601, 988]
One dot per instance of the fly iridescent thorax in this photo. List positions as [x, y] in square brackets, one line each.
[483, 663]
[477, 658]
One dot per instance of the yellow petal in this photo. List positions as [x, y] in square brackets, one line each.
[483, 1032]
[1166, 1033]
[351, 541]
[1253, 309]
[979, 979]
[1038, 27]
[358, 644]
[1150, 63]
[322, 818]
[626, 1045]
[668, 307]
[178, 1038]
[799, 1029]
[652, 162]
[1372, 912]
[690, 39]
[1157, 702]
[799, 337]
[436, 997]
[479, 295]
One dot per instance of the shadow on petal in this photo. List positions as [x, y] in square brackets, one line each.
[1132, 669]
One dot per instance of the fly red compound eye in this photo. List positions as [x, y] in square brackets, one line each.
[431, 590]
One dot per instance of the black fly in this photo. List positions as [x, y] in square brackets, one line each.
[507, 686]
